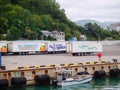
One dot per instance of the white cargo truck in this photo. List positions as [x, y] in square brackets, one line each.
[82, 48]
[56, 46]
[26, 47]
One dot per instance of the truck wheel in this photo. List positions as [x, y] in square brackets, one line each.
[73, 54]
[20, 53]
[84, 54]
[80, 54]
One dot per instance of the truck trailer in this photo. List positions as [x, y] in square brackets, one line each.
[83, 48]
[55, 47]
[26, 47]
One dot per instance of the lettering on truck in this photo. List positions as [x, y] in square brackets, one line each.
[88, 47]
[28, 47]
[57, 47]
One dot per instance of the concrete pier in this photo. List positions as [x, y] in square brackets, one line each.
[11, 62]
[27, 67]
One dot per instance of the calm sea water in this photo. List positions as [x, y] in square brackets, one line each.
[95, 84]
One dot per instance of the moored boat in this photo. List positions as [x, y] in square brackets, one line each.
[65, 78]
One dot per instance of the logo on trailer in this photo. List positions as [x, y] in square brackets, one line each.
[57, 46]
[42, 48]
[3, 49]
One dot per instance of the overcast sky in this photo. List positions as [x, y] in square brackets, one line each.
[101, 10]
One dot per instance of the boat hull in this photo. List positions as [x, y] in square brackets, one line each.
[74, 81]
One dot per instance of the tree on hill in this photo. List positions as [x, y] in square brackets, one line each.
[95, 32]
[36, 15]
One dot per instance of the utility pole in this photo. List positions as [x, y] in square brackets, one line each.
[0, 60]
[1, 67]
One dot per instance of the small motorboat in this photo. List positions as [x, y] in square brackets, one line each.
[65, 78]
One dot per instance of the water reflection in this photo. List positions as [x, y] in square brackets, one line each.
[112, 83]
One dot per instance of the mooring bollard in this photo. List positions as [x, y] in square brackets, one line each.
[99, 57]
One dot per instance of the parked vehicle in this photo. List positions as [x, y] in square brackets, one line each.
[80, 48]
[26, 47]
[46, 47]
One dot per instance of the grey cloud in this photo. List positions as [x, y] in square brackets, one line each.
[94, 9]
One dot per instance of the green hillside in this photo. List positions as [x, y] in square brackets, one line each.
[24, 19]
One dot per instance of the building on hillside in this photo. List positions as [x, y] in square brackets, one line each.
[83, 37]
[73, 39]
[115, 27]
[46, 33]
[58, 35]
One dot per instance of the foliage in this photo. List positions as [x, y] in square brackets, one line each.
[95, 32]
[13, 33]
[24, 19]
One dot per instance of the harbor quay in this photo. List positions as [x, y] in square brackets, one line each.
[33, 69]
[14, 61]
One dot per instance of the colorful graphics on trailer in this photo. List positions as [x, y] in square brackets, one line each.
[56, 46]
[84, 47]
[3, 47]
[26, 47]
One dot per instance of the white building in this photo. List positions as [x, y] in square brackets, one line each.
[58, 35]
[115, 27]
[83, 37]
[46, 33]
[118, 28]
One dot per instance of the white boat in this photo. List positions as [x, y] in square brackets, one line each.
[65, 78]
